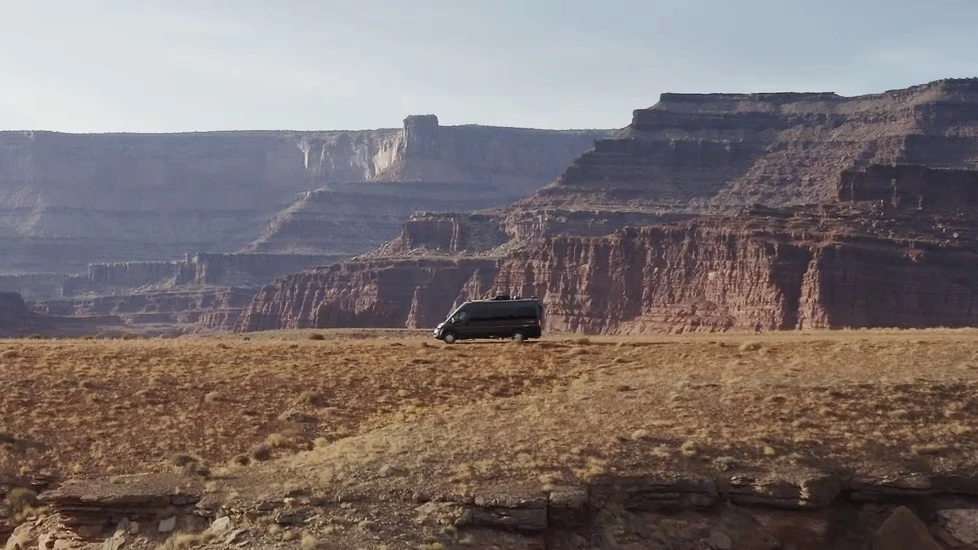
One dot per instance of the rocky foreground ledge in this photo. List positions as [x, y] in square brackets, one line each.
[800, 510]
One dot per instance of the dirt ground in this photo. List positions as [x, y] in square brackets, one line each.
[86, 408]
[380, 421]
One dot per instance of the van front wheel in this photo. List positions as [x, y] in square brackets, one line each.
[519, 337]
[449, 338]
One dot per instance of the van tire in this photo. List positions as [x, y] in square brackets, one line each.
[449, 338]
[519, 337]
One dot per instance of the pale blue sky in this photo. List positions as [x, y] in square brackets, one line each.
[130, 65]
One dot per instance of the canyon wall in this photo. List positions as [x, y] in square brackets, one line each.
[33, 286]
[193, 271]
[709, 152]
[380, 293]
[17, 320]
[67, 200]
[182, 310]
[704, 275]
[349, 219]
[709, 212]
[127, 216]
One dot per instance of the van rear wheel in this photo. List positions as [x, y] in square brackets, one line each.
[449, 338]
[519, 337]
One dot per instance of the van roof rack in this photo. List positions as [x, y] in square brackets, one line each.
[500, 297]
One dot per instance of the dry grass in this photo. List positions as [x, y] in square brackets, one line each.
[552, 410]
[68, 403]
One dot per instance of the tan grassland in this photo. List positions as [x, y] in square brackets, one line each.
[389, 430]
[557, 408]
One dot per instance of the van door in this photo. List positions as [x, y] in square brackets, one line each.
[461, 322]
[482, 322]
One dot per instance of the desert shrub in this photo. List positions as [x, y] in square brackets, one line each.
[312, 398]
[20, 499]
[260, 453]
[750, 346]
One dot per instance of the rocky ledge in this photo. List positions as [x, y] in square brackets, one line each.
[807, 510]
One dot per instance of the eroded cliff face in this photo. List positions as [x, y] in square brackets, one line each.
[182, 310]
[709, 152]
[343, 219]
[866, 216]
[17, 320]
[382, 293]
[198, 270]
[70, 200]
[200, 292]
[774, 270]
[112, 215]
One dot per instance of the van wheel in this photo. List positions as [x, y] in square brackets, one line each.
[449, 338]
[519, 337]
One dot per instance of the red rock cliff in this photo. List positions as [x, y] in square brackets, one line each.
[866, 216]
[784, 270]
[381, 293]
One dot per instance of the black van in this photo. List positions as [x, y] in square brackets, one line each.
[501, 317]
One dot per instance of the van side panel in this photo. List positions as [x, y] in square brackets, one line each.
[499, 319]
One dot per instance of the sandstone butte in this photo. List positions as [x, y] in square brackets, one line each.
[707, 213]
[183, 229]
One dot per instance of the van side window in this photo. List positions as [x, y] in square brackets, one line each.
[526, 312]
[479, 312]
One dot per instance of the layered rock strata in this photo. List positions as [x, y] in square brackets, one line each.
[769, 270]
[864, 214]
[70, 200]
[256, 205]
[350, 219]
[383, 293]
[189, 310]
[193, 271]
[804, 510]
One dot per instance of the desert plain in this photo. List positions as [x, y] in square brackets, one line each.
[389, 439]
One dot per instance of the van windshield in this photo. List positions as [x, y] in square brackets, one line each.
[454, 311]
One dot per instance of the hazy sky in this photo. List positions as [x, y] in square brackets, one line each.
[146, 65]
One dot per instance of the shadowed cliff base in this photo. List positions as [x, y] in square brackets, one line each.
[18, 321]
[708, 213]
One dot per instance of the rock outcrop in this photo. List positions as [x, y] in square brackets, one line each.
[709, 212]
[382, 293]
